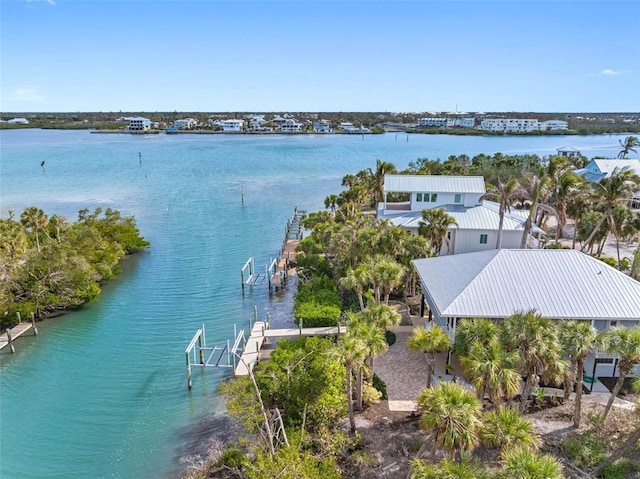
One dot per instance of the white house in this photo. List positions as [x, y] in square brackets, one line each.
[435, 122]
[558, 284]
[510, 125]
[461, 196]
[185, 123]
[138, 123]
[322, 126]
[290, 125]
[232, 125]
[348, 127]
[568, 152]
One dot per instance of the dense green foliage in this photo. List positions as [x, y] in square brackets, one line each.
[51, 264]
[317, 303]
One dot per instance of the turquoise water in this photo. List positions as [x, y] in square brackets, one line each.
[101, 392]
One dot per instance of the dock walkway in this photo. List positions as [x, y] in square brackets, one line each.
[292, 237]
[14, 333]
[261, 332]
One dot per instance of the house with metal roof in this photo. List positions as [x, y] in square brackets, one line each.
[558, 284]
[406, 196]
[600, 168]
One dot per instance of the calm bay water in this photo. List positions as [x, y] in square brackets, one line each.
[101, 392]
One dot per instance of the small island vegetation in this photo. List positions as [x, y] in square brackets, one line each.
[51, 264]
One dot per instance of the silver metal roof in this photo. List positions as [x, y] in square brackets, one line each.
[482, 217]
[434, 184]
[559, 284]
[608, 165]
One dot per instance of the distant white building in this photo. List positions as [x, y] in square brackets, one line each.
[435, 122]
[257, 122]
[18, 121]
[185, 123]
[290, 125]
[348, 127]
[232, 125]
[554, 125]
[515, 125]
[568, 152]
[322, 126]
[138, 123]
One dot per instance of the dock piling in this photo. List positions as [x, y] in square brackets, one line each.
[11, 347]
[33, 324]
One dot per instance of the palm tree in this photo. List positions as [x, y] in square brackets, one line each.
[535, 338]
[524, 463]
[492, 370]
[471, 331]
[385, 274]
[578, 339]
[613, 190]
[577, 206]
[377, 183]
[504, 429]
[331, 202]
[382, 315]
[534, 190]
[351, 351]
[373, 337]
[35, 219]
[452, 413]
[504, 194]
[628, 145]
[563, 188]
[431, 342]
[626, 343]
[435, 228]
[355, 281]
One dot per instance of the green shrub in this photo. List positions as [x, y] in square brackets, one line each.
[233, 457]
[585, 450]
[380, 386]
[370, 395]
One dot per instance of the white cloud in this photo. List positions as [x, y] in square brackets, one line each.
[27, 95]
[608, 72]
[50, 2]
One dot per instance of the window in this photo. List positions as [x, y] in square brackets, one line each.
[457, 198]
[419, 197]
[483, 239]
[434, 197]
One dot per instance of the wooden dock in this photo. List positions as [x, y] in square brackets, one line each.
[261, 332]
[292, 237]
[14, 333]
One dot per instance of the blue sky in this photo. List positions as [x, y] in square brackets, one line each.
[537, 56]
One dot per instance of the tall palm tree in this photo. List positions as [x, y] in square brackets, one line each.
[452, 413]
[563, 188]
[435, 228]
[524, 463]
[351, 351]
[534, 192]
[624, 342]
[504, 194]
[356, 281]
[611, 191]
[628, 145]
[431, 342]
[384, 274]
[578, 339]
[492, 370]
[373, 337]
[35, 219]
[504, 428]
[331, 202]
[535, 338]
[577, 206]
[377, 183]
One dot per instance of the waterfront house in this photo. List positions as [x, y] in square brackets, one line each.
[558, 284]
[232, 125]
[554, 125]
[348, 127]
[185, 123]
[597, 169]
[406, 196]
[138, 123]
[568, 152]
[290, 125]
[322, 126]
